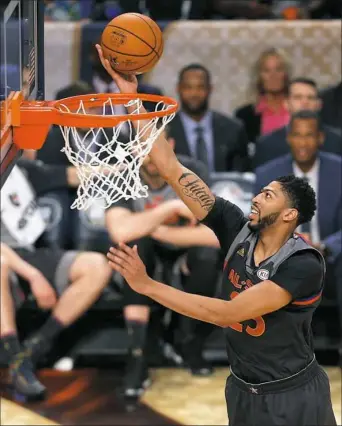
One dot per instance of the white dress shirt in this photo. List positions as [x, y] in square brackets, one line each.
[190, 126]
[313, 178]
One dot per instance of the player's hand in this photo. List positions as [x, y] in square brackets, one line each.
[44, 294]
[127, 262]
[127, 83]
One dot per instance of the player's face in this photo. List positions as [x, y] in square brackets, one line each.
[302, 97]
[273, 74]
[304, 139]
[268, 208]
[194, 92]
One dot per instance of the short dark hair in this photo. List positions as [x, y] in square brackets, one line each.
[301, 195]
[195, 67]
[306, 115]
[304, 80]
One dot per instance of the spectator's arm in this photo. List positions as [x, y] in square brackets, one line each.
[124, 225]
[17, 264]
[186, 236]
[44, 177]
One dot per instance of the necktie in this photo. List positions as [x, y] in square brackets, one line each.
[201, 148]
[306, 227]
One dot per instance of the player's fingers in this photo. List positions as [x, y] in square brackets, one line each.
[117, 268]
[126, 249]
[119, 258]
[100, 53]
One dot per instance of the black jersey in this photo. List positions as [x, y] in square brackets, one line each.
[278, 344]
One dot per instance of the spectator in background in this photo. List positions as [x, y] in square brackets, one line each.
[62, 10]
[324, 173]
[133, 221]
[303, 95]
[220, 142]
[271, 76]
[159, 10]
[332, 106]
[65, 282]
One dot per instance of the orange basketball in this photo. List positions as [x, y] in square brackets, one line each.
[133, 43]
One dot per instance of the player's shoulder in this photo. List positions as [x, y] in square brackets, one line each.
[305, 259]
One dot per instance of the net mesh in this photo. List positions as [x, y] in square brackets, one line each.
[108, 160]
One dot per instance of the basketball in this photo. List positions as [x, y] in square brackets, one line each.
[133, 43]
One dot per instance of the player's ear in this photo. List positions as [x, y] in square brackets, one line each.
[290, 215]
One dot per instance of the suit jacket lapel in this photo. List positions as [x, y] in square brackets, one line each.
[179, 134]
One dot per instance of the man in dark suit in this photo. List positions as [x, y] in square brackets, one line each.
[303, 95]
[332, 106]
[324, 172]
[218, 141]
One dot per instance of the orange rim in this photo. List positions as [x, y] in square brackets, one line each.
[31, 120]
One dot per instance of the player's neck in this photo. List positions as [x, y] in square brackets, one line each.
[307, 166]
[270, 241]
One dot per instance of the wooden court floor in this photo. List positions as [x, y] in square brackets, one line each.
[91, 397]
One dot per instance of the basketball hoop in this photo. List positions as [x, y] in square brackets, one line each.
[107, 165]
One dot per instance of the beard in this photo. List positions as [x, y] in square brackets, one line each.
[264, 222]
[199, 109]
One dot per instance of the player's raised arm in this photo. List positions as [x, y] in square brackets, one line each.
[188, 186]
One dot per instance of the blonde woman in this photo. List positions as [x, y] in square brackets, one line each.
[270, 79]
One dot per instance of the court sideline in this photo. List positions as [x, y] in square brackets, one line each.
[90, 397]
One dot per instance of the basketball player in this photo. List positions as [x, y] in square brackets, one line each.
[272, 284]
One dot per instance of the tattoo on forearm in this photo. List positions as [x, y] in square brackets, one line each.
[193, 188]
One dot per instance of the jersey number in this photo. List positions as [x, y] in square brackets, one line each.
[256, 331]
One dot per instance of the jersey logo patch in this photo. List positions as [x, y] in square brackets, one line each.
[241, 252]
[263, 274]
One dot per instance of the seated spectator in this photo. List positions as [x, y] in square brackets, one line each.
[332, 106]
[159, 10]
[220, 142]
[62, 10]
[324, 172]
[303, 95]
[133, 221]
[325, 9]
[65, 282]
[243, 9]
[271, 76]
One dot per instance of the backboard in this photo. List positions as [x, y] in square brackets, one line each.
[21, 65]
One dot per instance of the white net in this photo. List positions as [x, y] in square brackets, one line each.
[108, 160]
